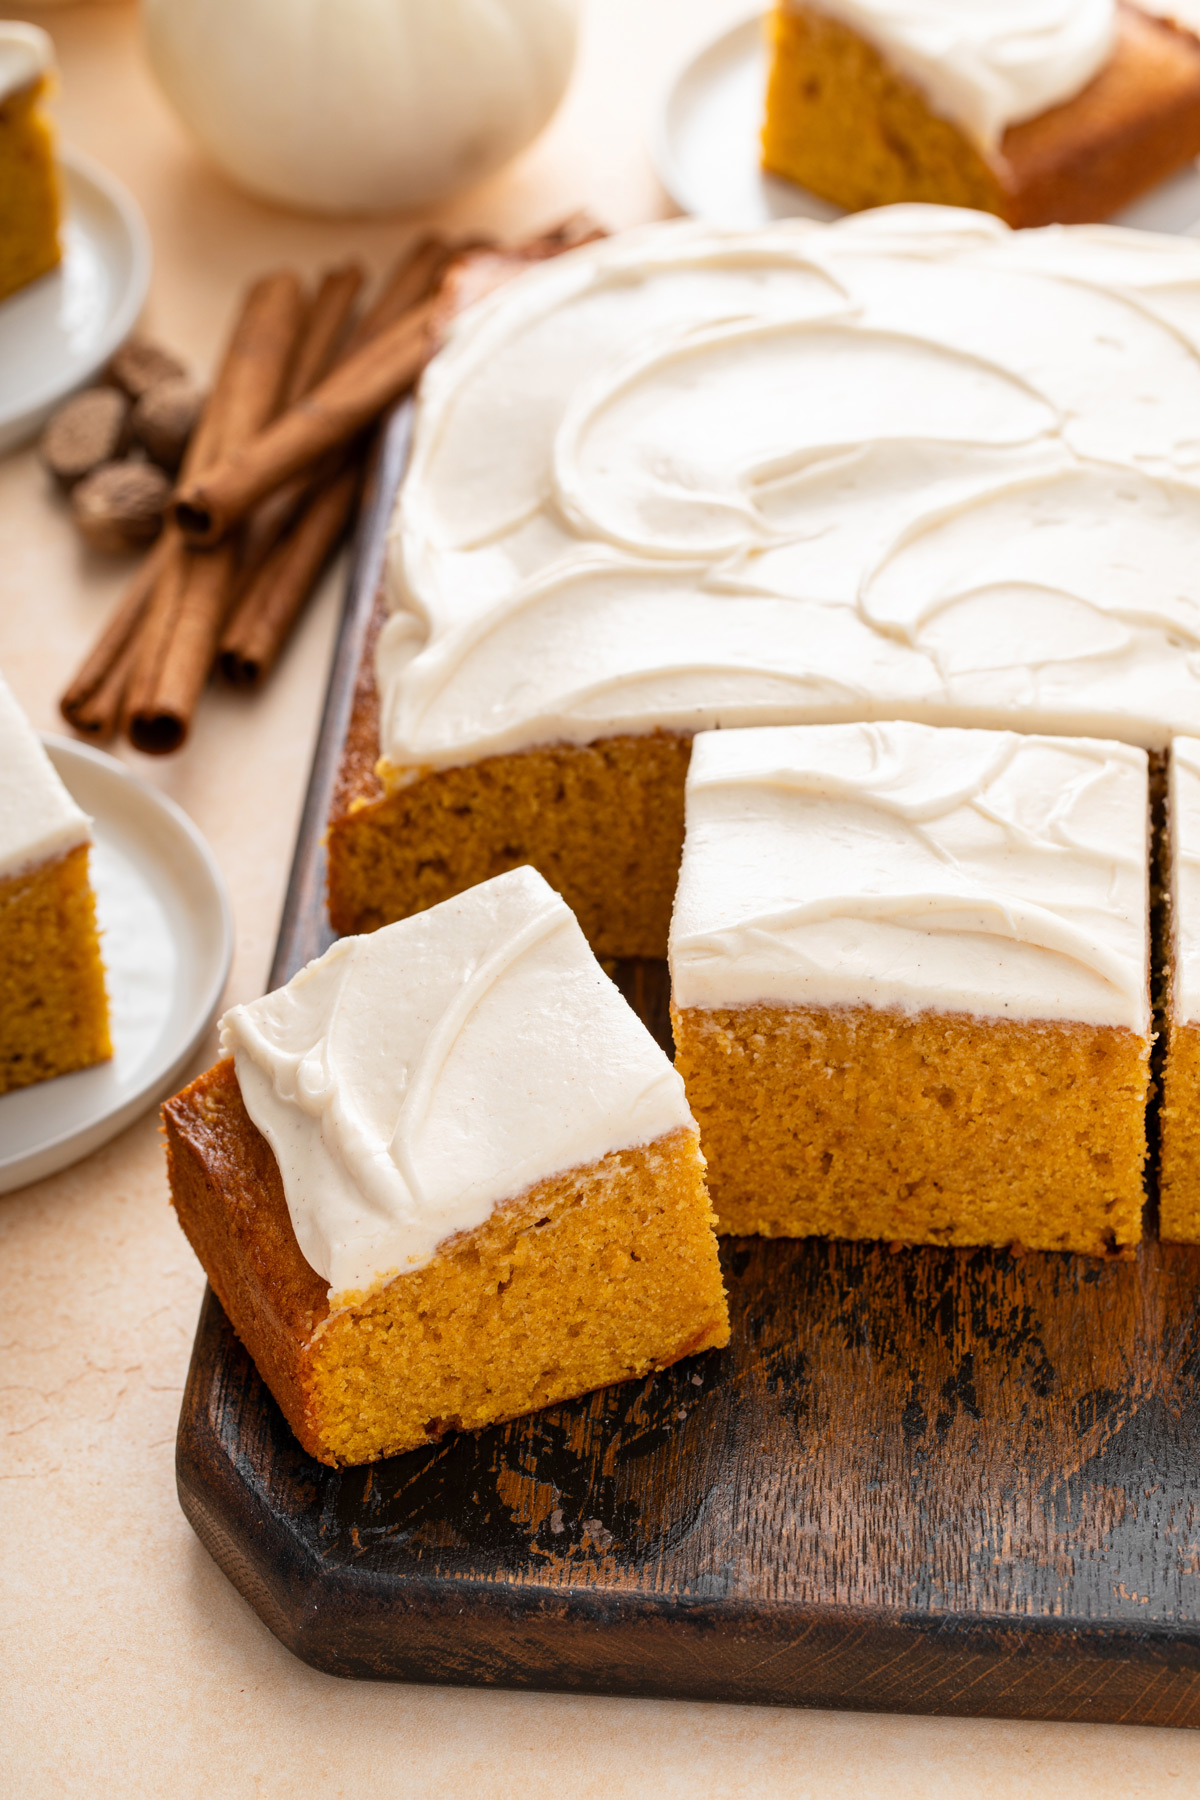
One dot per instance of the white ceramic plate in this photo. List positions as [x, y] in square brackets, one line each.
[167, 943]
[706, 148]
[58, 332]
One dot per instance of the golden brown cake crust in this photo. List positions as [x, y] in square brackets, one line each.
[1135, 124]
[845, 124]
[602, 822]
[53, 1007]
[591, 1277]
[937, 1128]
[228, 1197]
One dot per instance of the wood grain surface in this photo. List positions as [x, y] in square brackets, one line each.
[927, 1481]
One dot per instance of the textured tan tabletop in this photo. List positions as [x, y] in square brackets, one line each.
[128, 1664]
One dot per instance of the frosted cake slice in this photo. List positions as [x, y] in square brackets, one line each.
[53, 1008]
[29, 183]
[1040, 111]
[445, 1176]
[909, 973]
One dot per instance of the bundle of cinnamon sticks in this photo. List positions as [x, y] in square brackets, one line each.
[271, 480]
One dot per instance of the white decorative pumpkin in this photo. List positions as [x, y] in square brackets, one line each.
[346, 106]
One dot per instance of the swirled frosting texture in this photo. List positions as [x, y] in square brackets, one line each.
[38, 818]
[909, 465]
[1184, 819]
[904, 867]
[987, 64]
[410, 1080]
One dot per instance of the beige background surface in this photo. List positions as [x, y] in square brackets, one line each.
[128, 1664]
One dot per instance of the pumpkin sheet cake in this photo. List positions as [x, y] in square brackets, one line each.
[911, 465]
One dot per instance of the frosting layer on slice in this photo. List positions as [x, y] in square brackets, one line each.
[411, 1079]
[909, 465]
[987, 64]
[904, 867]
[26, 54]
[38, 818]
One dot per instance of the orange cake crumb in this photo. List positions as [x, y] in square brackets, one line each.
[1179, 1141]
[930, 1129]
[53, 1008]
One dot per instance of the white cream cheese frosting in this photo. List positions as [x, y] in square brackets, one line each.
[411, 1080]
[915, 869]
[1183, 813]
[39, 821]
[26, 54]
[987, 64]
[908, 465]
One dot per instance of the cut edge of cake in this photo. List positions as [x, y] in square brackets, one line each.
[855, 1123]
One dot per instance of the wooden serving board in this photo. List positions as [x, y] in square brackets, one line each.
[932, 1481]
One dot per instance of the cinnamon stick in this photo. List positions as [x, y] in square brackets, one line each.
[159, 715]
[413, 279]
[337, 409]
[191, 601]
[154, 633]
[176, 602]
[252, 380]
[478, 270]
[323, 344]
[92, 703]
[328, 318]
[264, 616]
[275, 583]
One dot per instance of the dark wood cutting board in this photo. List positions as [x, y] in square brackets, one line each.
[931, 1481]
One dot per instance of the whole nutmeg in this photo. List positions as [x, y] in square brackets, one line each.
[140, 365]
[165, 417]
[89, 429]
[121, 505]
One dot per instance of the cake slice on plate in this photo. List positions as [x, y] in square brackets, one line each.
[445, 1176]
[909, 974]
[29, 196]
[1038, 110]
[53, 1008]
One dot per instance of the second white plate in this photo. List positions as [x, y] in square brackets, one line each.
[167, 941]
[58, 332]
[707, 148]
